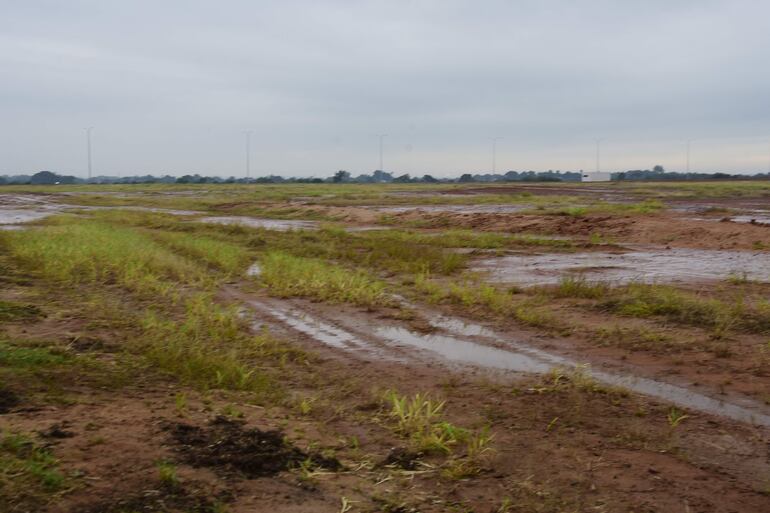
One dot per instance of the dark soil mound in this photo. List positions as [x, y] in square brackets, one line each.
[160, 499]
[8, 400]
[225, 443]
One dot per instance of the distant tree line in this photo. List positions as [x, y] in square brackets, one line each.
[342, 176]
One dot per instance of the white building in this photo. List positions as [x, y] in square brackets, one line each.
[595, 176]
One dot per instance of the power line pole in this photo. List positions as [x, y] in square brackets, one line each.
[688, 155]
[88, 148]
[382, 137]
[494, 153]
[248, 153]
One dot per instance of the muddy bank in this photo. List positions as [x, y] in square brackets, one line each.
[465, 209]
[675, 230]
[19, 209]
[228, 445]
[459, 345]
[646, 265]
[255, 222]
[281, 225]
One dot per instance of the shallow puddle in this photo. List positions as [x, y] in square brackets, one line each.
[319, 330]
[469, 344]
[281, 225]
[18, 216]
[270, 224]
[649, 265]
[20, 208]
[753, 218]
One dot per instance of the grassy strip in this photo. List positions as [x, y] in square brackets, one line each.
[645, 300]
[82, 251]
[286, 275]
[228, 257]
[464, 239]
[204, 344]
[28, 473]
[652, 300]
[211, 347]
[10, 310]
[644, 207]
[486, 299]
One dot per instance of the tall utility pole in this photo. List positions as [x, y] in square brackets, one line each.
[598, 153]
[688, 155]
[494, 153]
[88, 148]
[381, 136]
[248, 153]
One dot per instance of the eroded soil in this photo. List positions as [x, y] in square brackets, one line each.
[680, 425]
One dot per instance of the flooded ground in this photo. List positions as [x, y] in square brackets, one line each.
[659, 265]
[255, 222]
[457, 342]
[25, 208]
[280, 225]
[153, 389]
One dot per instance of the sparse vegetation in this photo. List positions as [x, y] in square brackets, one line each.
[29, 474]
[286, 275]
[141, 313]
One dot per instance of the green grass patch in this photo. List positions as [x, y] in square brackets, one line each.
[485, 299]
[211, 347]
[286, 276]
[12, 311]
[76, 251]
[29, 474]
[20, 357]
[649, 300]
[226, 256]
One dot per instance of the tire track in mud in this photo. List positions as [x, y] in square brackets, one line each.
[460, 345]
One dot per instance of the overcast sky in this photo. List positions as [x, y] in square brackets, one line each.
[170, 86]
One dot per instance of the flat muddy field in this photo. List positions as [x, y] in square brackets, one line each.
[385, 348]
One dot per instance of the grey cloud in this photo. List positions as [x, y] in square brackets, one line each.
[169, 86]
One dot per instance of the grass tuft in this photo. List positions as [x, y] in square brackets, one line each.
[286, 276]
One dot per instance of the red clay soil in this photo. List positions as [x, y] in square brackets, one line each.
[667, 229]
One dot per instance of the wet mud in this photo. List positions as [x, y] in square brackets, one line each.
[228, 445]
[255, 222]
[462, 209]
[16, 210]
[162, 499]
[281, 225]
[460, 345]
[648, 265]
[8, 400]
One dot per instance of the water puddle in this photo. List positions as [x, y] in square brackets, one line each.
[319, 330]
[529, 359]
[282, 225]
[753, 218]
[151, 209]
[21, 208]
[13, 216]
[17, 209]
[649, 265]
[469, 344]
